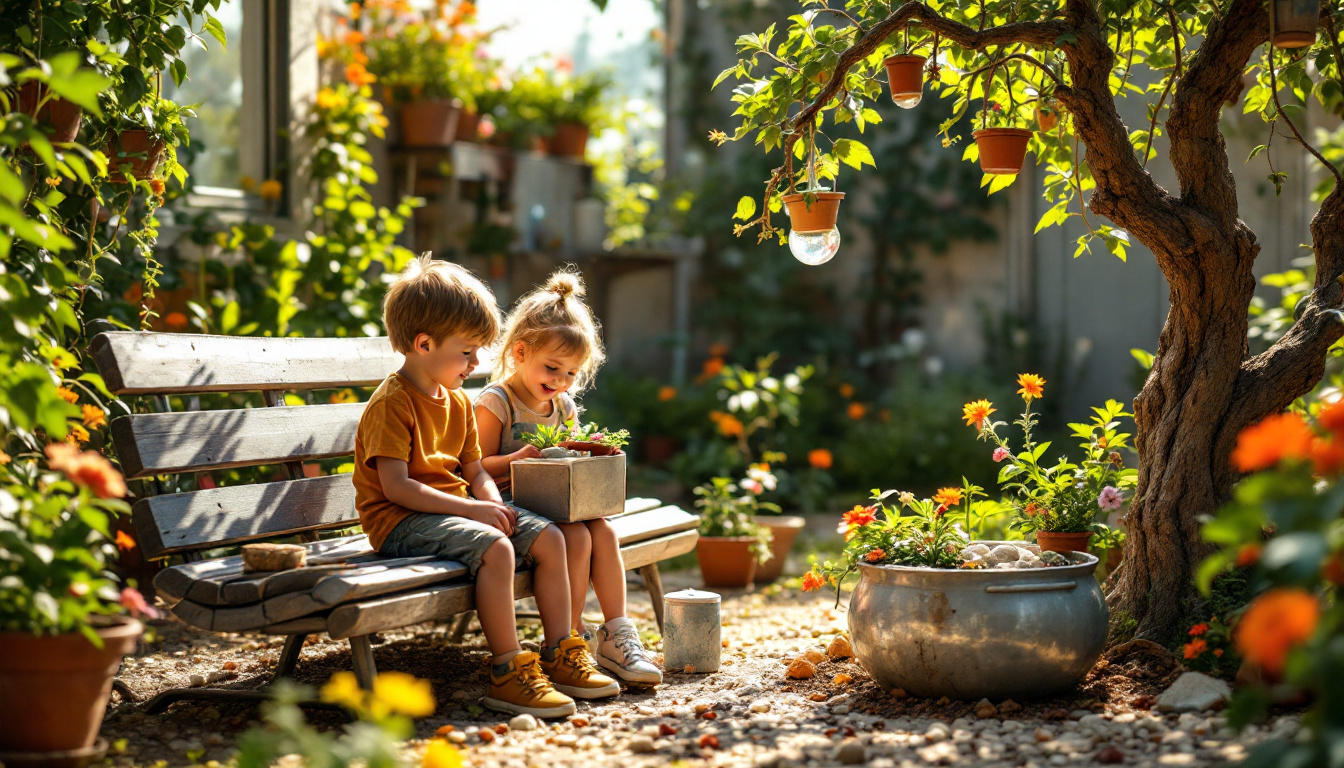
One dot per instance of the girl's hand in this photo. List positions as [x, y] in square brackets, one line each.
[526, 452]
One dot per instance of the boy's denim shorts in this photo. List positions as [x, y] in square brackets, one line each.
[460, 538]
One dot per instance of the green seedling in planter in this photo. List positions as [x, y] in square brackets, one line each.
[727, 510]
[592, 433]
[544, 436]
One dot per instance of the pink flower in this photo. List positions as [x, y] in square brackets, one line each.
[595, 437]
[754, 486]
[1001, 453]
[1110, 499]
[134, 602]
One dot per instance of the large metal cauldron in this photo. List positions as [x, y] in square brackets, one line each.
[972, 634]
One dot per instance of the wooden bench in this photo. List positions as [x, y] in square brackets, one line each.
[347, 590]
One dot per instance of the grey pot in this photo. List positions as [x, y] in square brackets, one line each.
[973, 634]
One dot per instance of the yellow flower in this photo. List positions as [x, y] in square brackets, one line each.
[330, 99]
[344, 689]
[271, 189]
[344, 396]
[93, 416]
[718, 137]
[1032, 386]
[404, 694]
[77, 435]
[247, 183]
[440, 754]
[67, 395]
[976, 412]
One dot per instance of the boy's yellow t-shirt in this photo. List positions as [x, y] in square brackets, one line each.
[435, 436]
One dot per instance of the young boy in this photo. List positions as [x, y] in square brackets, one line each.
[416, 458]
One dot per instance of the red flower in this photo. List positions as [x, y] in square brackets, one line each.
[875, 556]
[1194, 648]
[133, 601]
[1198, 630]
[812, 581]
[859, 516]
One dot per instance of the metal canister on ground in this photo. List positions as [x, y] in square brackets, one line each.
[691, 631]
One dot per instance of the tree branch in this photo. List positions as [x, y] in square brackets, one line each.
[1198, 152]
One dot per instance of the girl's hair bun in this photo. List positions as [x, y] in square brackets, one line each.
[565, 284]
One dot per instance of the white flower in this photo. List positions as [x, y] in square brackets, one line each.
[770, 383]
[792, 382]
[907, 498]
[762, 477]
[753, 485]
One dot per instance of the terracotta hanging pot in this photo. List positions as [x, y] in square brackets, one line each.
[1047, 118]
[138, 150]
[468, 125]
[59, 118]
[1002, 150]
[726, 561]
[1295, 23]
[819, 217]
[906, 75]
[429, 123]
[1051, 541]
[570, 140]
[54, 689]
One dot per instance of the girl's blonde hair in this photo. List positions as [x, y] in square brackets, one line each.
[554, 317]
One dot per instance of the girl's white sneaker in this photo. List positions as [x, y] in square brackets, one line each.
[620, 652]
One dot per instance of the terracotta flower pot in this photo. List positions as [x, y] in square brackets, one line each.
[784, 531]
[658, 449]
[468, 123]
[1295, 23]
[726, 561]
[570, 140]
[53, 690]
[429, 123]
[62, 116]
[906, 75]
[1047, 121]
[1002, 150]
[820, 217]
[597, 449]
[1052, 541]
[141, 152]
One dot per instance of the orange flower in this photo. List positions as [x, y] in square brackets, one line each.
[1032, 386]
[354, 37]
[859, 516]
[356, 74]
[812, 580]
[4, 458]
[67, 395]
[94, 417]
[1032, 510]
[948, 497]
[820, 458]
[124, 541]
[856, 411]
[270, 189]
[1277, 621]
[1198, 630]
[1218, 652]
[77, 435]
[718, 350]
[1194, 648]
[156, 186]
[1327, 456]
[666, 393]
[87, 468]
[1248, 555]
[1332, 417]
[1102, 442]
[976, 413]
[846, 390]
[729, 426]
[1278, 437]
[713, 367]
[176, 321]
[876, 556]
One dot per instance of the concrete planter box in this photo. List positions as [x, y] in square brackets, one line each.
[570, 490]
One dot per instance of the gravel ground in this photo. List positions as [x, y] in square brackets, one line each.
[748, 713]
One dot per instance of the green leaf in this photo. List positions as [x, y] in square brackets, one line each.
[853, 153]
[746, 208]
[215, 29]
[1144, 358]
[1258, 149]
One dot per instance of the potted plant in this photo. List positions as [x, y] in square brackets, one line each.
[905, 73]
[731, 541]
[61, 118]
[63, 628]
[595, 440]
[152, 130]
[937, 614]
[1003, 147]
[580, 111]
[1059, 504]
[783, 529]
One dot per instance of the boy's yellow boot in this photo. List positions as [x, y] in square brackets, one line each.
[523, 690]
[573, 672]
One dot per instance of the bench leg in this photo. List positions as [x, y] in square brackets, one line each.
[289, 659]
[461, 623]
[361, 652]
[653, 582]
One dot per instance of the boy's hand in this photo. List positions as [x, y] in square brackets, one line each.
[526, 452]
[495, 514]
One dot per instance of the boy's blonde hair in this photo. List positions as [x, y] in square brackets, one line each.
[554, 317]
[440, 299]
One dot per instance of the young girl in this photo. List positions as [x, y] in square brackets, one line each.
[551, 348]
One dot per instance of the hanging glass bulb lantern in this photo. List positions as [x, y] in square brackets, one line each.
[814, 248]
[905, 73]
[813, 237]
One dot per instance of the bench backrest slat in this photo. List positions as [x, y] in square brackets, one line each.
[219, 517]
